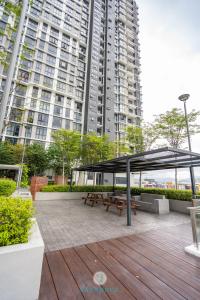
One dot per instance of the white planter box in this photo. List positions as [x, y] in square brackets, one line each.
[62, 195]
[180, 206]
[20, 268]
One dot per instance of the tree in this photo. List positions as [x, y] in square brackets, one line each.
[96, 148]
[150, 135]
[171, 126]
[36, 159]
[65, 151]
[135, 139]
[10, 154]
[142, 138]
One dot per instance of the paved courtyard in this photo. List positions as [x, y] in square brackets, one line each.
[69, 223]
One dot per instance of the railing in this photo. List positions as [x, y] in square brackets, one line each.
[195, 222]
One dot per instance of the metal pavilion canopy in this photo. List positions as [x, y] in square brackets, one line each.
[158, 159]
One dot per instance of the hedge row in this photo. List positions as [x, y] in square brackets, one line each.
[7, 187]
[15, 219]
[184, 195]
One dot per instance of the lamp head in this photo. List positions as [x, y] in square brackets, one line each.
[184, 97]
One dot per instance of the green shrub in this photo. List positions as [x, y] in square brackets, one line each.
[169, 193]
[15, 220]
[184, 195]
[7, 187]
[80, 188]
[25, 177]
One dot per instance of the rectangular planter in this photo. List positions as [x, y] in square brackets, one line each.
[180, 206]
[42, 196]
[20, 268]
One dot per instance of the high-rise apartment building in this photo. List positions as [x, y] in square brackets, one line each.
[79, 70]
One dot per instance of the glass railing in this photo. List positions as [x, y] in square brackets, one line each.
[195, 222]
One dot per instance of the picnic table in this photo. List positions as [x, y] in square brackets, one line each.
[94, 198]
[120, 202]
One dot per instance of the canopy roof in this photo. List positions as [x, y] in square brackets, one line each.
[9, 167]
[158, 159]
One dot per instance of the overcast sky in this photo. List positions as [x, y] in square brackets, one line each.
[170, 55]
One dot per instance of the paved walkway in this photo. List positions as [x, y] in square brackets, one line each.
[69, 223]
[147, 266]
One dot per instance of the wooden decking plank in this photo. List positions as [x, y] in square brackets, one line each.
[83, 276]
[113, 286]
[156, 251]
[65, 284]
[170, 248]
[179, 242]
[151, 281]
[47, 288]
[167, 265]
[175, 283]
[135, 286]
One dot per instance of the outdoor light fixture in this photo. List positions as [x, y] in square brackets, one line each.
[184, 97]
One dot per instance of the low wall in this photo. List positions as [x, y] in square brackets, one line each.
[43, 196]
[180, 206]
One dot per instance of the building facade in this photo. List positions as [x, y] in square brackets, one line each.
[78, 68]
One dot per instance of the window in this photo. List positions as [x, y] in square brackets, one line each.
[23, 75]
[32, 24]
[58, 110]
[43, 36]
[44, 107]
[41, 44]
[49, 71]
[53, 40]
[13, 129]
[54, 32]
[52, 49]
[64, 55]
[77, 127]
[67, 124]
[47, 81]
[18, 102]
[41, 133]
[59, 99]
[62, 75]
[63, 64]
[39, 55]
[67, 113]
[51, 59]
[33, 103]
[44, 27]
[61, 86]
[46, 95]
[57, 122]
[30, 42]
[31, 32]
[38, 66]
[30, 117]
[35, 92]
[28, 131]
[42, 119]
[37, 78]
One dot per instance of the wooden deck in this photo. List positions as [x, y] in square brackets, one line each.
[151, 265]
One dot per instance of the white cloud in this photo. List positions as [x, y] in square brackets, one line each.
[170, 65]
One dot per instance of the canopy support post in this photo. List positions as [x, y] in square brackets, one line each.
[128, 192]
[193, 182]
[71, 179]
[113, 183]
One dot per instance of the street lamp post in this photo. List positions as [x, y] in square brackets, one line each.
[184, 98]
